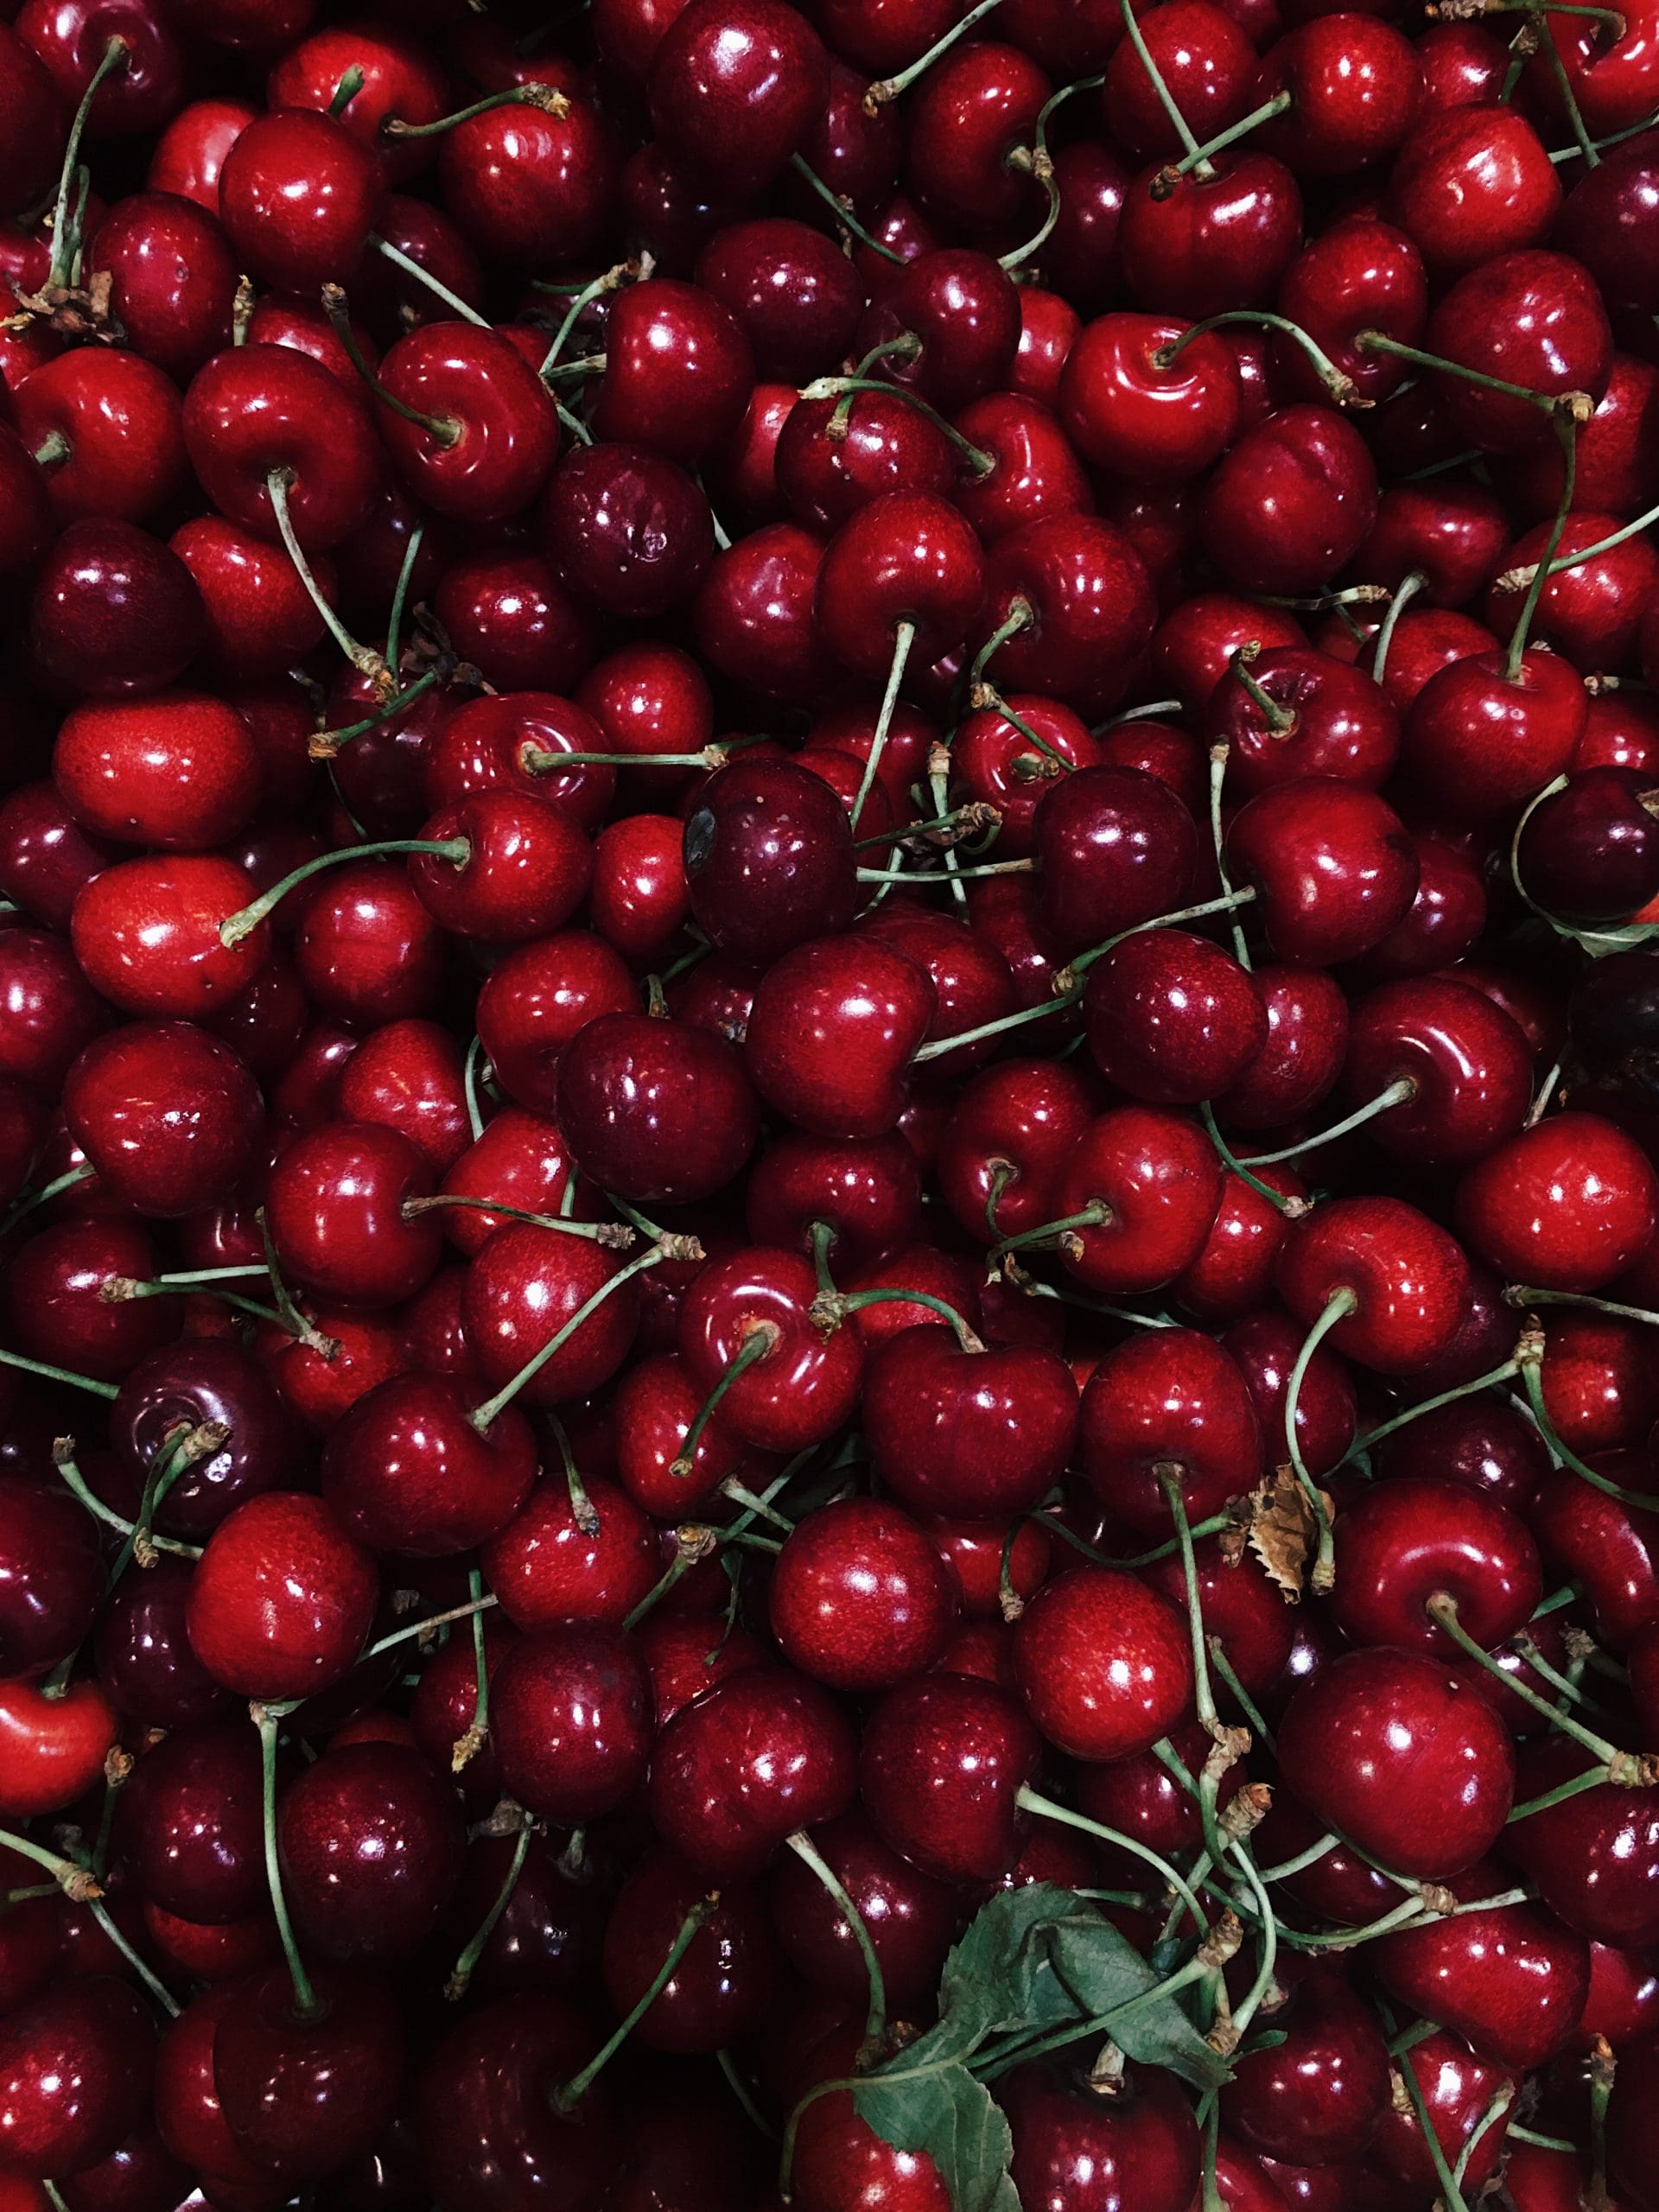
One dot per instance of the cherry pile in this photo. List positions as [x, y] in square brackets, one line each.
[829, 1107]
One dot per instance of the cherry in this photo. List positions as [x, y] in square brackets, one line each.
[281, 1598]
[1404, 1757]
[49, 1577]
[1422, 1537]
[1513, 1979]
[570, 1712]
[942, 1765]
[833, 1027]
[407, 1470]
[301, 2095]
[1291, 503]
[1146, 1184]
[370, 1848]
[1332, 863]
[114, 419]
[1530, 318]
[144, 1655]
[1594, 1857]
[1075, 598]
[572, 1554]
[75, 2067]
[1115, 847]
[187, 1823]
[55, 1746]
[971, 110]
[1466, 1061]
[1172, 1019]
[487, 2117]
[167, 1114]
[678, 370]
[1591, 853]
[1135, 2143]
[1212, 243]
[1168, 1405]
[868, 1194]
[1565, 1205]
[526, 1286]
[187, 1385]
[299, 194]
[961, 1430]
[737, 1771]
[1294, 713]
[1104, 1664]
[1317, 2097]
[55, 1303]
[1471, 181]
[338, 1207]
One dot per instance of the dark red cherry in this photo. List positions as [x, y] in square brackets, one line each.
[1402, 1756]
[283, 1598]
[75, 2069]
[1316, 2098]
[944, 1760]
[570, 1713]
[487, 2120]
[738, 1769]
[627, 528]
[1513, 1980]
[1467, 1062]
[1104, 1664]
[735, 88]
[303, 2096]
[1408, 1282]
[370, 1844]
[1172, 1018]
[1147, 1184]
[1332, 863]
[1138, 2144]
[1565, 1205]
[976, 1432]
[1115, 847]
[1168, 1403]
[1291, 503]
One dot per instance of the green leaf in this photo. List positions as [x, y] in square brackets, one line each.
[944, 2111]
[1103, 1968]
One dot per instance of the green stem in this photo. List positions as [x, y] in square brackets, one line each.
[455, 1988]
[100, 1913]
[400, 597]
[761, 1339]
[1019, 618]
[1280, 720]
[1223, 139]
[1093, 1216]
[239, 925]
[829, 1313]
[1340, 387]
[1178, 123]
[1217, 838]
[265, 1718]
[548, 97]
[842, 210]
[1293, 1208]
[469, 1085]
[58, 1375]
[471, 1610]
[1567, 430]
[904, 637]
[1532, 1380]
[887, 89]
[470, 1742]
[610, 281]
[1486, 1382]
[1378, 341]
[610, 1234]
[1409, 587]
[1596, 1778]
[66, 232]
[1341, 1303]
[30, 1199]
[565, 2099]
[1586, 145]
[875, 2016]
[424, 277]
[1044, 1809]
[1228, 903]
[1451, 2197]
[482, 1415]
[325, 743]
[1399, 1093]
[443, 429]
[1625, 1769]
[362, 657]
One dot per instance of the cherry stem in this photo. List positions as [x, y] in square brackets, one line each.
[1587, 144]
[76, 1483]
[53, 448]
[761, 1338]
[1594, 1777]
[907, 875]
[1540, 2142]
[157, 1989]
[470, 1611]
[875, 2017]
[30, 1199]
[842, 210]
[65, 234]
[1095, 1215]
[1280, 720]
[669, 1247]
[823, 1235]
[180, 1451]
[1567, 430]
[611, 1234]
[1227, 1743]
[58, 1375]
[325, 743]
[400, 595]
[1292, 1208]
[940, 1045]
[904, 637]
[1578, 405]
[1044, 1809]
[887, 89]
[424, 277]
[610, 281]
[987, 696]
[1228, 903]
[828, 1314]
[362, 657]
[584, 1511]
[1523, 1294]
[443, 429]
[1399, 1093]
[470, 1742]
[265, 1717]
[1217, 776]
[325, 1348]
[1529, 1360]
[1036, 159]
[455, 1988]
[564, 2099]
[1409, 587]
[77, 1883]
[1627, 1769]
[345, 91]
[1150, 712]
[547, 98]
[1488, 1380]
[846, 388]
[1603, 2064]
[1342, 1302]
[1219, 144]
[469, 1075]
[243, 923]
[1019, 618]
[1167, 99]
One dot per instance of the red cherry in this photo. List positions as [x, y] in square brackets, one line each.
[1168, 1403]
[281, 1598]
[1565, 1205]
